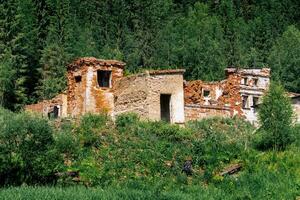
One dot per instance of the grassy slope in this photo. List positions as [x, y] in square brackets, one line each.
[143, 160]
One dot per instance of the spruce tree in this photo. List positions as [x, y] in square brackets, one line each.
[13, 43]
[194, 42]
[284, 59]
[57, 51]
[7, 75]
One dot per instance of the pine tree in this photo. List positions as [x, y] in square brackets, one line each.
[13, 43]
[194, 42]
[7, 74]
[57, 51]
[284, 59]
[54, 60]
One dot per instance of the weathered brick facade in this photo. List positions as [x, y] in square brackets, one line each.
[96, 86]
[236, 95]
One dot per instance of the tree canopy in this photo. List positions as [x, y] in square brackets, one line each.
[38, 37]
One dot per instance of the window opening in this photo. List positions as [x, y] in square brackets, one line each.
[245, 101]
[206, 93]
[104, 78]
[77, 79]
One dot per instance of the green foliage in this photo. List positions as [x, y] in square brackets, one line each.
[265, 176]
[194, 42]
[38, 39]
[276, 118]
[140, 159]
[54, 60]
[90, 129]
[26, 149]
[125, 121]
[222, 141]
[7, 74]
[284, 59]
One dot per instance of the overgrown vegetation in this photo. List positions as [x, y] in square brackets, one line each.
[276, 118]
[135, 159]
[39, 37]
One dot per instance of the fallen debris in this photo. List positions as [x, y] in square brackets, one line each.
[231, 170]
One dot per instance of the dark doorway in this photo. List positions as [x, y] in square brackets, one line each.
[53, 113]
[165, 107]
[104, 78]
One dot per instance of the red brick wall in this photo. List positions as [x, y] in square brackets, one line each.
[197, 112]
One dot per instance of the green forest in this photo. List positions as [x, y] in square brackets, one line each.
[96, 157]
[38, 38]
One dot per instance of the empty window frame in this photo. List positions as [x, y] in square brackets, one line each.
[104, 78]
[78, 79]
[255, 81]
[244, 81]
[255, 101]
[245, 102]
[206, 93]
[53, 112]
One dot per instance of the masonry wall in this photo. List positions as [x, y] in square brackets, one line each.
[46, 106]
[171, 84]
[253, 90]
[198, 112]
[131, 96]
[87, 96]
[141, 94]
[224, 98]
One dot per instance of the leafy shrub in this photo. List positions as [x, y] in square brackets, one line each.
[126, 120]
[276, 117]
[90, 128]
[27, 146]
[296, 134]
[222, 140]
[164, 130]
[67, 144]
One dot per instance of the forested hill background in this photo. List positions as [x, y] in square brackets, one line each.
[39, 37]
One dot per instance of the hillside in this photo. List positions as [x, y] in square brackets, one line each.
[141, 160]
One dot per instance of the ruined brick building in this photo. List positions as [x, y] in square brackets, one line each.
[96, 85]
[238, 94]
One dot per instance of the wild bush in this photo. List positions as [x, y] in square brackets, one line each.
[91, 125]
[126, 120]
[27, 147]
[222, 140]
[164, 130]
[276, 118]
[296, 134]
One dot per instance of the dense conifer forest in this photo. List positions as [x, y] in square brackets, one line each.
[39, 37]
[96, 157]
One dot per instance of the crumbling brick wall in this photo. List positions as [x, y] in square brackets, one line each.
[86, 96]
[198, 112]
[46, 106]
[223, 100]
[84, 93]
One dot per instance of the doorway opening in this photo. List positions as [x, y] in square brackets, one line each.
[165, 100]
[53, 112]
